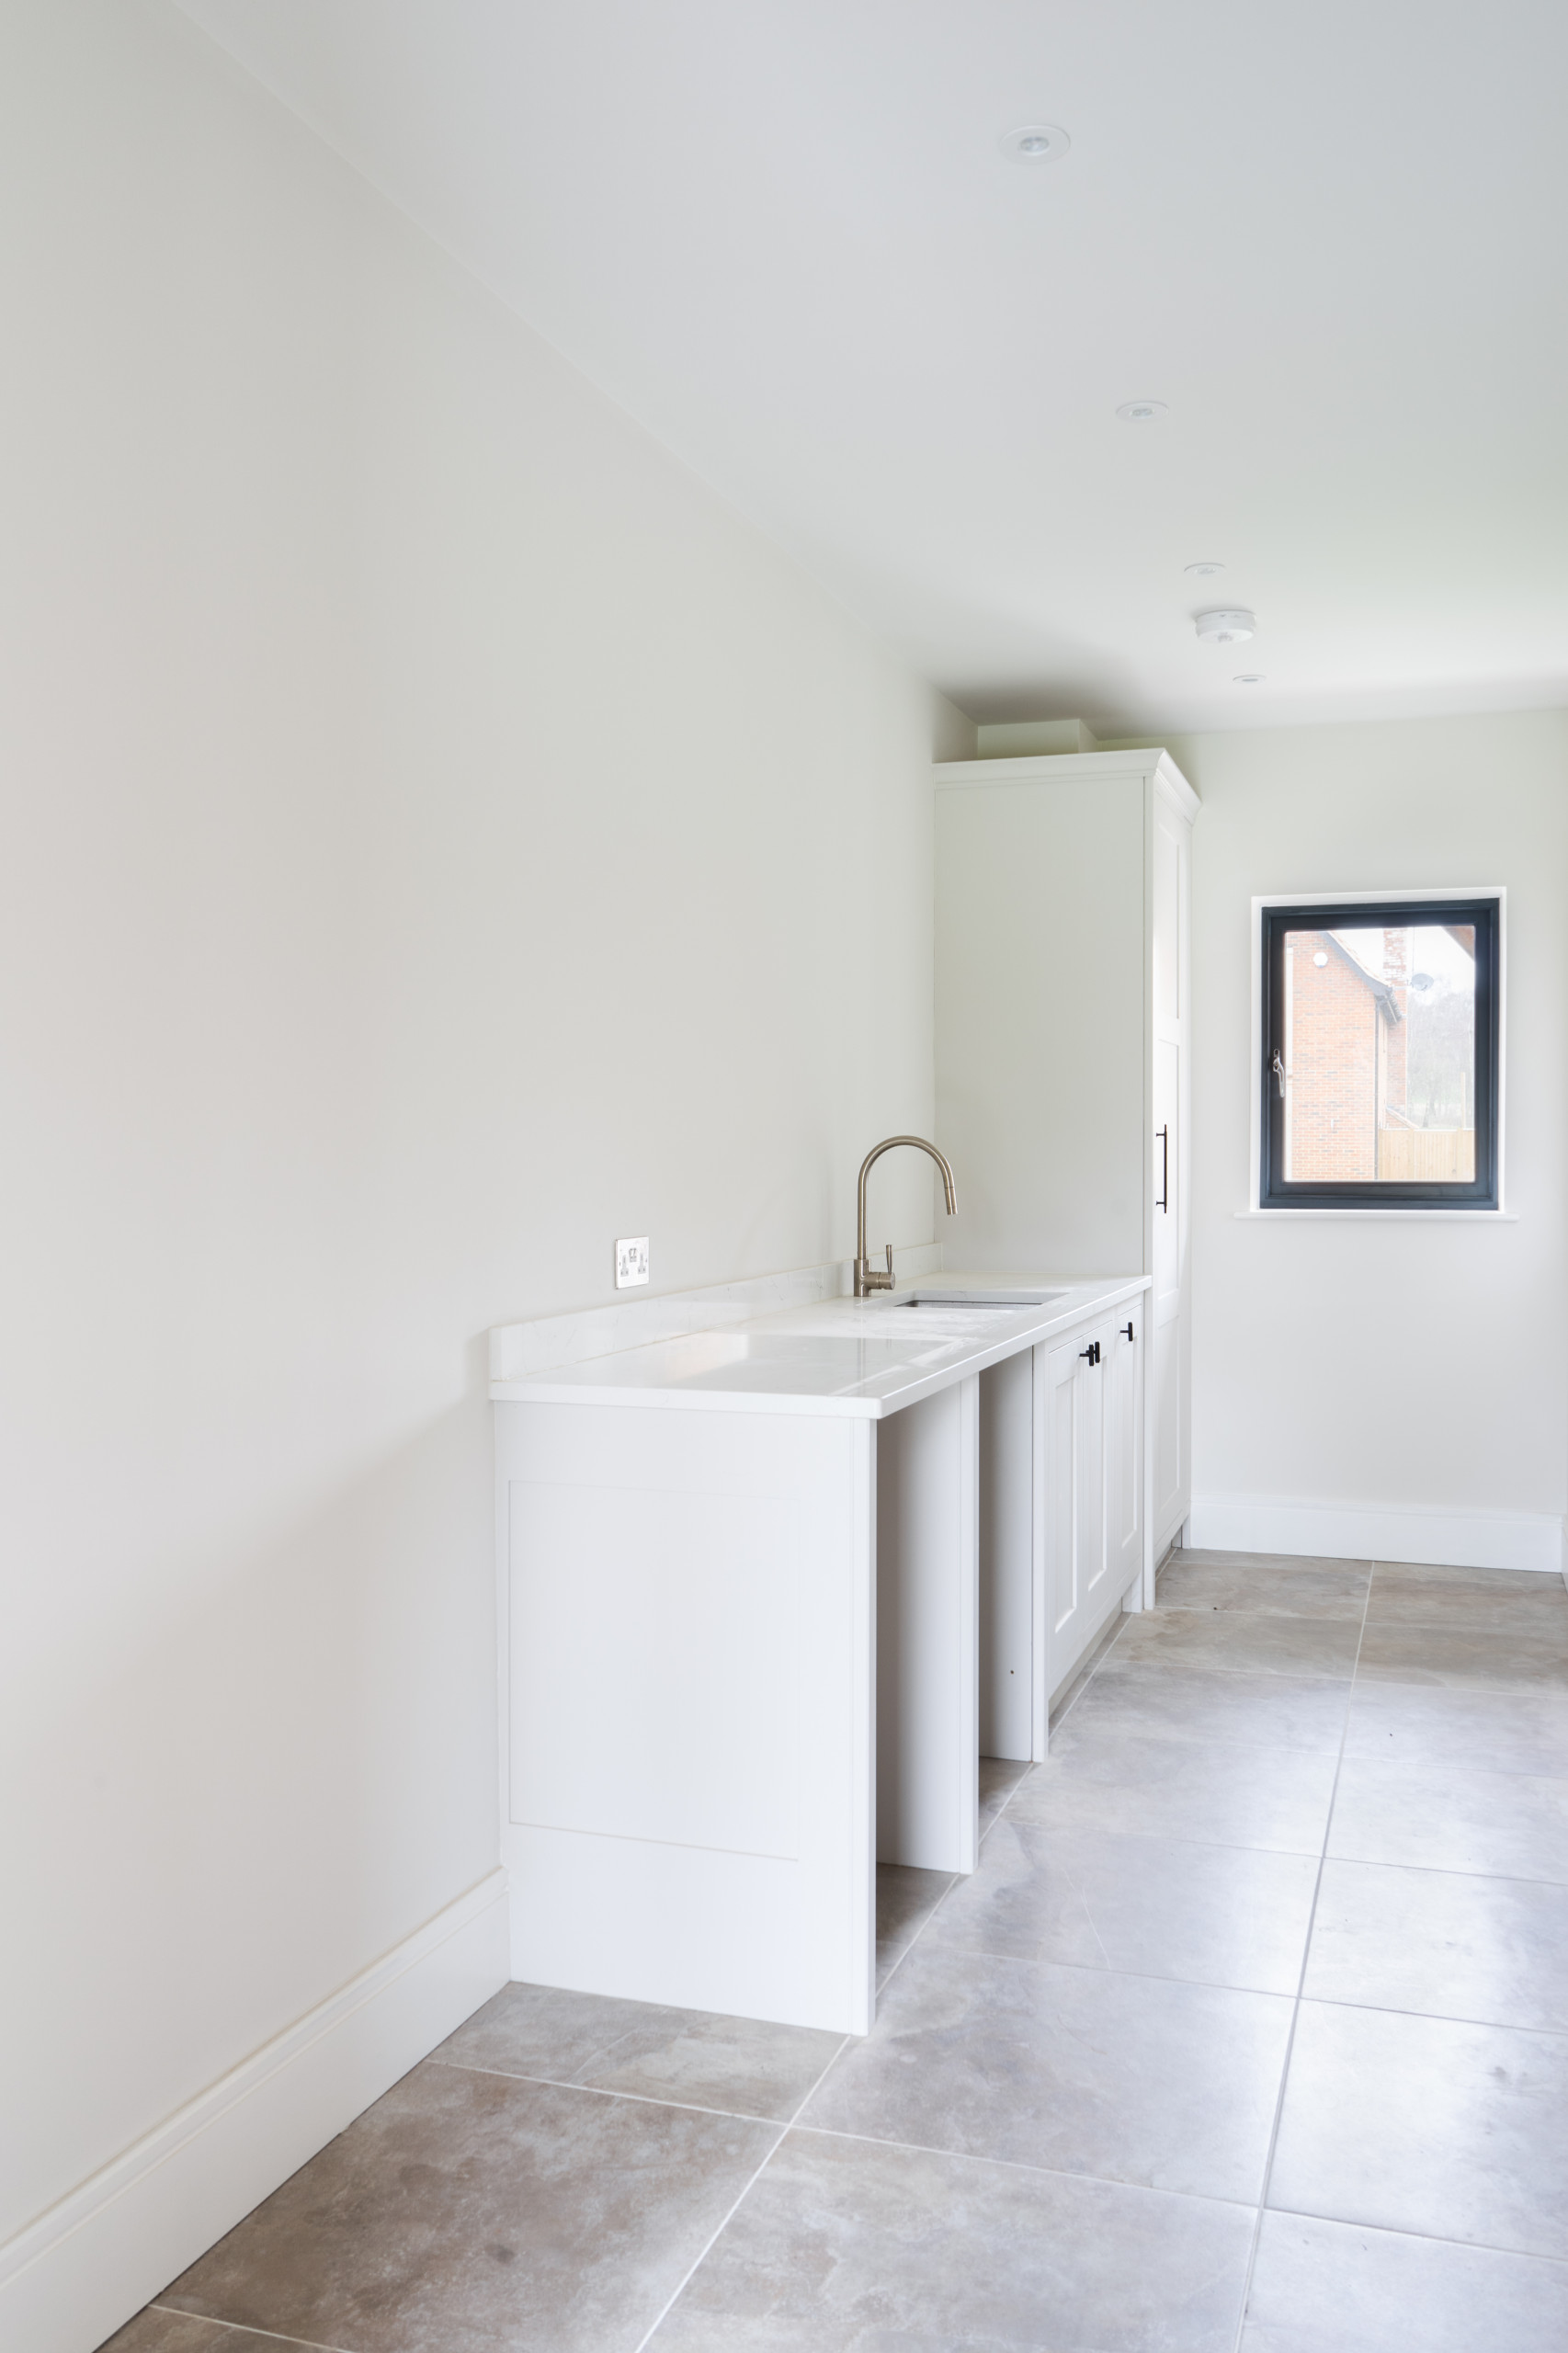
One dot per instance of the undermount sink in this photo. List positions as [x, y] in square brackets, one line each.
[999, 1299]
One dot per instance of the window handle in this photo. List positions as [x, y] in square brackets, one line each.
[1277, 1067]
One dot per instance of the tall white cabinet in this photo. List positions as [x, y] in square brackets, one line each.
[1064, 898]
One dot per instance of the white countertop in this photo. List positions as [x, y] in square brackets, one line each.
[865, 1358]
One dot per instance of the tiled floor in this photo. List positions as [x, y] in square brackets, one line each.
[1250, 2031]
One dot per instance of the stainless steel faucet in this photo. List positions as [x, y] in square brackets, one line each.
[869, 1279]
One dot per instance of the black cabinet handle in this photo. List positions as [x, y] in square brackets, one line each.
[1092, 1352]
[1164, 1201]
[1127, 1329]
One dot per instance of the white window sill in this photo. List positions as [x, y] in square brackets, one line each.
[1386, 1217]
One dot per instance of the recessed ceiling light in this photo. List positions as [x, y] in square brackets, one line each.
[1204, 571]
[1141, 412]
[1249, 678]
[1036, 143]
[1228, 625]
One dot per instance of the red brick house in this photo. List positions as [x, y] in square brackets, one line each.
[1345, 1052]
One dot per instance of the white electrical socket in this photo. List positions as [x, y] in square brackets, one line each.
[631, 1262]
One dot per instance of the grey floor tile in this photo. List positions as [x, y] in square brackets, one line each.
[1216, 1794]
[1423, 2125]
[544, 2030]
[1495, 1601]
[906, 1897]
[1214, 1915]
[1329, 2287]
[466, 2212]
[1450, 1818]
[843, 2247]
[743, 2065]
[164, 2332]
[1432, 1724]
[1245, 1642]
[1290, 1588]
[999, 1777]
[1491, 1949]
[1460, 1656]
[1128, 2078]
[1176, 1703]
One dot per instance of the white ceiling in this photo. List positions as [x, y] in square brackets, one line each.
[1328, 233]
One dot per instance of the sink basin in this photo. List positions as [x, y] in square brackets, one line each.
[997, 1298]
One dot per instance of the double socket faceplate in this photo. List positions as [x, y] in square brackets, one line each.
[631, 1262]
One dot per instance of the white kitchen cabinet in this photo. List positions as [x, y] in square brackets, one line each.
[1063, 896]
[768, 1564]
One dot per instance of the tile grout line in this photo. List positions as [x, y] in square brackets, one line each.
[1211, 1845]
[784, 2132]
[1300, 1980]
[243, 2328]
[613, 2091]
[706, 2250]
[1422, 2238]
[1020, 2164]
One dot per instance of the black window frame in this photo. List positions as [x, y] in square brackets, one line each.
[1484, 910]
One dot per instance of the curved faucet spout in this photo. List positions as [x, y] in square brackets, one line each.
[869, 1279]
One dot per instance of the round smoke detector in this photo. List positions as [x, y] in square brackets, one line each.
[1036, 143]
[1229, 625]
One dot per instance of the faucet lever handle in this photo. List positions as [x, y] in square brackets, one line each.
[890, 1262]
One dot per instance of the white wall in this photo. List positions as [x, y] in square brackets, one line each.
[437, 839]
[1400, 1388]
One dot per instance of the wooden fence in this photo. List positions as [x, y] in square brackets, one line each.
[1427, 1155]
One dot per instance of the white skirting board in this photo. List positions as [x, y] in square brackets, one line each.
[79, 2272]
[1459, 1540]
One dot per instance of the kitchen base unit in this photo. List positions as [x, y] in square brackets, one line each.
[766, 1593]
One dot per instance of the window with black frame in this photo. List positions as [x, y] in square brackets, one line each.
[1381, 1030]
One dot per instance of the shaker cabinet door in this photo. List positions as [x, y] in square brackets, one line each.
[1072, 1456]
[1124, 1450]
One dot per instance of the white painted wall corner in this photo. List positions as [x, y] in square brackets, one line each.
[1352, 1531]
[83, 2269]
